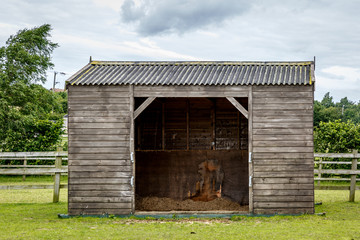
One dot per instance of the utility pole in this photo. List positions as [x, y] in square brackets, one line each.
[54, 83]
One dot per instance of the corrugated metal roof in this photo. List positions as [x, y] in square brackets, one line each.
[194, 73]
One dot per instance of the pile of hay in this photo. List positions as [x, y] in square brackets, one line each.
[168, 204]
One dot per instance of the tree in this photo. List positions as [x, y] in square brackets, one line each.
[30, 115]
[336, 137]
[327, 100]
[26, 56]
[326, 110]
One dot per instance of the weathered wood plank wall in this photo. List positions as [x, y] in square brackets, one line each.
[174, 174]
[191, 124]
[99, 160]
[283, 149]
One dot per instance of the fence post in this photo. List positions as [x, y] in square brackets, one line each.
[25, 163]
[319, 174]
[58, 163]
[353, 177]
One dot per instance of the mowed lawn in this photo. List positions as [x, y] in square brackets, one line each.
[29, 214]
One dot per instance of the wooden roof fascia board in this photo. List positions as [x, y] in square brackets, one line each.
[312, 73]
[189, 91]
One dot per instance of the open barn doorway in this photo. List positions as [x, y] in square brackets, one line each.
[191, 155]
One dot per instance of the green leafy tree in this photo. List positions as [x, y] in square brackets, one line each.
[26, 56]
[30, 115]
[336, 137]
[326, 110]
[327, 100]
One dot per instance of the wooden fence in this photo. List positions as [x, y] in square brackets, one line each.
[57, 169]
[321, 161]
[25, 169]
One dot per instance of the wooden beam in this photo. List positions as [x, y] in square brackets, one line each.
[187, 124]
[213, 116]
[238, 106]
[163, 126]
[191, 91]
[132, 144]
[58, 164]
[353, 178]
[250, 149]
[143, 106]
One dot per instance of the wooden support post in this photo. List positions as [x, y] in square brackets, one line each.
[250, 147]
[58, 163]
[213, 115]
[132, 143]
[187, 124]
[353, 177]
[238, 130]
[319, 174]
[143, 106]
[238, 106]
[163, 126]
[25, 163]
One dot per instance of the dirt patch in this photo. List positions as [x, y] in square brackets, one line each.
[168, 204]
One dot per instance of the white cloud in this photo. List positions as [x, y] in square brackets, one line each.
[113, 4]
[339, 77]
[144, 48]
[339, 80]
[154, 17]
[237, 30]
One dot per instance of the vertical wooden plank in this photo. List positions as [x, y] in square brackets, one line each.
[319, 174]
[139, 135]
[187, 124]
[58, 163]
[25, 163]
[132, 145]
[213, 115]
[238, 129]
[353, 177]
[312, 136]
[69, 90]
[250, 145]
[163, 126]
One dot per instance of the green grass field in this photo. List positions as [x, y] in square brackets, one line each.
[29, 214]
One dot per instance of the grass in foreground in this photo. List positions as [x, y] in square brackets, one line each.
[28, 214]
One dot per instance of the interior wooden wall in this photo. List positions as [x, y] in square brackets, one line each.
[191, 124]
[174, 135]
[174, 174]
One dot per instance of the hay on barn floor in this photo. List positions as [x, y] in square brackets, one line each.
[168, 204]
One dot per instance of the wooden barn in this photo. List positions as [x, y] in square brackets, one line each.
[191, 137]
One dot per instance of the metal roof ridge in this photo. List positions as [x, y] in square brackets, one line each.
[279, 63]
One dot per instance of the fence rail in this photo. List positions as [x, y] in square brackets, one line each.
[353, 172]
[57, 169]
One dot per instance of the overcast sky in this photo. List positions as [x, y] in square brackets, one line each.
[233, 30]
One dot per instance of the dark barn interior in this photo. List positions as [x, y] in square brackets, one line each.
[192, 150]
